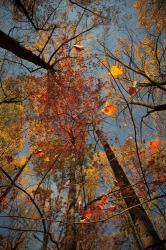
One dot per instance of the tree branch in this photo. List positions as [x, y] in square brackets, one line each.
[161, 107]
[10, 44]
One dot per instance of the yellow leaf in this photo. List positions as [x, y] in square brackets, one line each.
[20, 161]
[116, 71]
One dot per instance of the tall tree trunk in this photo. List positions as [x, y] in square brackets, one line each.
[70, 238]
[145, 229]
[134, 235]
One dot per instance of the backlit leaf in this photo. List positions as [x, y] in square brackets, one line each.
[109, 108]
[116, 71]
[154, 144]
[78, 47]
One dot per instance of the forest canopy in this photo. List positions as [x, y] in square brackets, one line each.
[82, 125]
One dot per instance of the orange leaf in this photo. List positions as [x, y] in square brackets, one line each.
[109, 109]
[84, 219]
[154, 145]
[47, 159]
[104, 199]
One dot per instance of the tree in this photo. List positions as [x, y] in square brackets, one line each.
[58, 190]
[142, 223]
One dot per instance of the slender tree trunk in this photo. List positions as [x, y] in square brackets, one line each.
[46, 237]
[144, 227]
[70, 239]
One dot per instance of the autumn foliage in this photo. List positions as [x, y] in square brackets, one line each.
[82, 125]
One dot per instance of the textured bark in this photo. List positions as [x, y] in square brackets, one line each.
[10, 44]
[70, 238]
[143, 225]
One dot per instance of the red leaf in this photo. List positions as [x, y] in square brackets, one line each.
[151, 163]
[160, 179]
[111, 208]
[88, 212]
[141, 193]
[39, 153]
[5, 200]
[104, 199]
[132, 90]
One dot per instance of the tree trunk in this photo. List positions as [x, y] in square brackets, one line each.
[134, 235]
[145, 229]
[10, 44]
[46, 237]
[70, 238]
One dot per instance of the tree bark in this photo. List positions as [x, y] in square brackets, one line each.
[70, 238]
[10, 44]
[143, 225]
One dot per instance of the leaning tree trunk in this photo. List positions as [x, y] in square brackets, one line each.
[144, 227]
[70, 237]
[10, 44]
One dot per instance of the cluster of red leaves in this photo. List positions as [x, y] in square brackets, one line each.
[96, 209]
[63, 103]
